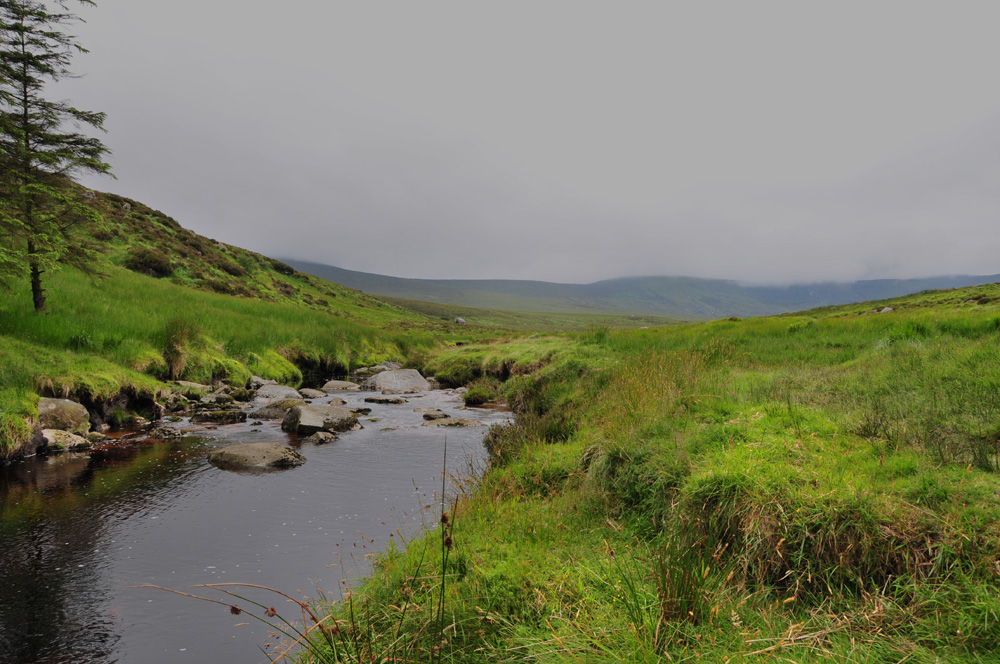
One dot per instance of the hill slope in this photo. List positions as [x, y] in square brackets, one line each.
[671, 297]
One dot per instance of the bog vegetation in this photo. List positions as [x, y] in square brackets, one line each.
[818, 487]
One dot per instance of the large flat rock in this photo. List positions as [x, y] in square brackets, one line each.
[307, 420]
[276, 409]
[269, 392]
[256, 456]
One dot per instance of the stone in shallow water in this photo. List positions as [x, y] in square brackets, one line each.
[165, 433]
[268, 392]
[385, 401]
[277, 409]
[453, 422]
[307, 420]
[220, 417]
[256, 456]
[399, 381]
[340, 386]
[56, 440]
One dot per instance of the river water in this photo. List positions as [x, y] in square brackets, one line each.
[77, 530]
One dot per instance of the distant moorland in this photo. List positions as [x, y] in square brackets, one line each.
[682, 298]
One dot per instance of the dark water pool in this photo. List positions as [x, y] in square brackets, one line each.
[77, 530]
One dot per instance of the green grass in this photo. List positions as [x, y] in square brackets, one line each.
[531, 321]
[818, 487]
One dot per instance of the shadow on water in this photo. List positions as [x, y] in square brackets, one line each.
[77, 530]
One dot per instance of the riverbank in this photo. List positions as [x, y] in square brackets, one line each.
[808, 488]
[131, 334]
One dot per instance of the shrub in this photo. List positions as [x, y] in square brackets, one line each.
[227, 266]
[282, 268]
[149, 262]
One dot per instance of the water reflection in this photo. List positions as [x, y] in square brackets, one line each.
[76, 530]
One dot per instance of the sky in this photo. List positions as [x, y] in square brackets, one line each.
[570, 141]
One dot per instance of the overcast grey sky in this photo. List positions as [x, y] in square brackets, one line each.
[567, 141]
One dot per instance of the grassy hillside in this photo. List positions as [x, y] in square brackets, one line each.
[815, 487]
[170, 304]
[679, 298]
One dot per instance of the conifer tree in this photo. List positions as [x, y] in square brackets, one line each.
[41, 145]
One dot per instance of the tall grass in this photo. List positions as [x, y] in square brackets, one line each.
[811, 488]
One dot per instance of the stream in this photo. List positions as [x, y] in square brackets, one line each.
[77, 530]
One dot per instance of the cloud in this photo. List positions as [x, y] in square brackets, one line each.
[567, 141]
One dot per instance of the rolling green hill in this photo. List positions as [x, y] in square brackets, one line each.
[684, 298]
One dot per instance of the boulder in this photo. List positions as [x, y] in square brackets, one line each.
[310, 393]
[307, 420]
[220, 417]
[256, 456]
[64, 415]
[268, 392]
[453, 422]
[398, 381]
[435, 414]
[56, 440]
[277, 409]
[460, 321]
[256, 382]
[323, 437]
[885, 310]
[340, 386]
[378, 368]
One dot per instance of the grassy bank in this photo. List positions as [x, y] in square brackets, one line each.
[128, 331]
[821, 487]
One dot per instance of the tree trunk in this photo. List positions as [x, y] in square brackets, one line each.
[37, 292]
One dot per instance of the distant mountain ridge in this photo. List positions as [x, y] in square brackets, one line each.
[671, 297]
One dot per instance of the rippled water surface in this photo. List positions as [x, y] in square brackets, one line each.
[77, 530]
